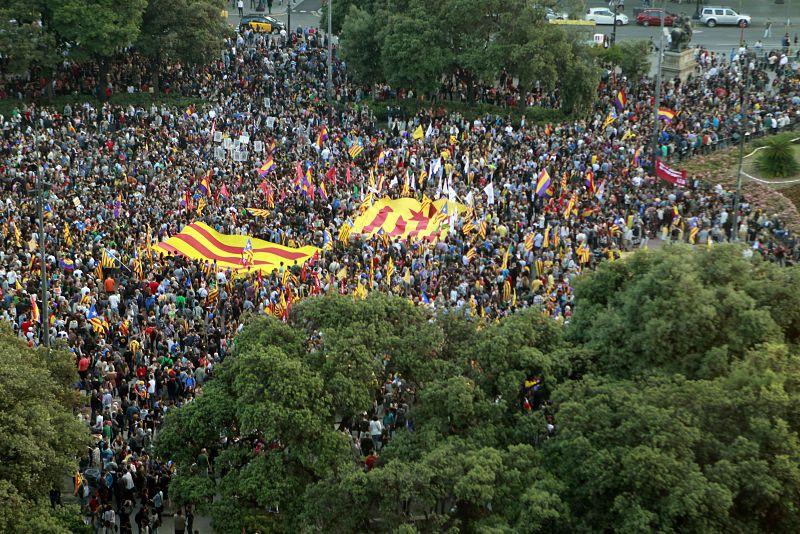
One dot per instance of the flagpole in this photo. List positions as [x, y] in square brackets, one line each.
[117, 259]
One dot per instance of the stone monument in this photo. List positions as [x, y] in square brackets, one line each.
[678, 61]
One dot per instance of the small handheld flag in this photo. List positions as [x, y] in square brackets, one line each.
[666, 114]
[247, 253]
[267, 167]
[543, 183]
[621, 100]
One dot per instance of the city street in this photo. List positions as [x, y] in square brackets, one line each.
[305, 13]
[720, 39]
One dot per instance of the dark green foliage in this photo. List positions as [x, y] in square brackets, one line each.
[402, 42]
[674, 390]
[676, 311]
[777, 159]
[40, 436]
[186, 31]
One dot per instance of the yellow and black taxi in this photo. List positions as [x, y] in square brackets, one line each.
[261, 24]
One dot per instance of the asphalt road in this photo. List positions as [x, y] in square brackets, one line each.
[720, 39]
[305, 13]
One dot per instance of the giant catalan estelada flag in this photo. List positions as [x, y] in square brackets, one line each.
[199, 241]
[404, 218]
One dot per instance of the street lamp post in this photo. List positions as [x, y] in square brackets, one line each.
[742, 136]
[657, 95]
[614, 31]
[44, 314]
[698, 9]
[330, 64]
[289, 24]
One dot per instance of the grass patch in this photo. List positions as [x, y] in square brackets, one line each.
[7, 106]
[533, 115]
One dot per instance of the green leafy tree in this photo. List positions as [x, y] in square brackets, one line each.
[674, 393]
[667, 453]
[361, 45]
[407, 57]
[403, 43]
[40, 437]
[27, 39]
[287, 387]
[186, 31]
[97, 29]
[674, 310]
[635, 60]
[341, 12]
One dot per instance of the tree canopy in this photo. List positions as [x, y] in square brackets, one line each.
[190, 31]
[404, 43]
[668, 404]
[40, 436]
[40, 33]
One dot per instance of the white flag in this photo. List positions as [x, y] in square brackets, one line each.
[489, 190]
[601, 191]
[437, 166]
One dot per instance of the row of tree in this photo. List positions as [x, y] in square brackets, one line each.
[415, 44]
[674, 392]
[39, 34]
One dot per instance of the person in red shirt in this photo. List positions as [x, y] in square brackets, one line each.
[370, 461]
[25, 326]
[83, 366]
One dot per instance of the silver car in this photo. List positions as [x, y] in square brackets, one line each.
[713, 15]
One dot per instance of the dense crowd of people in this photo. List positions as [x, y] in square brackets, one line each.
[147, 329]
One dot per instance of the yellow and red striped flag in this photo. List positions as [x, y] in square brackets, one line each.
[199, 241]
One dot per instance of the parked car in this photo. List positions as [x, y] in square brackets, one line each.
[713, 15]
[550, 14]
[652, 17]
[603, 15]
[261, 24]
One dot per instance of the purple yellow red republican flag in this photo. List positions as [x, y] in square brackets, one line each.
[199, 241]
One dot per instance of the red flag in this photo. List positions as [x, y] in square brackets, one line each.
[303, 273]
[299, 173]
[263, 187]
[223, 192]
[331, 175]
[673, 176]
[347, 174]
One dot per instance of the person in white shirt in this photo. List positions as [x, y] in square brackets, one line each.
[376, 432]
